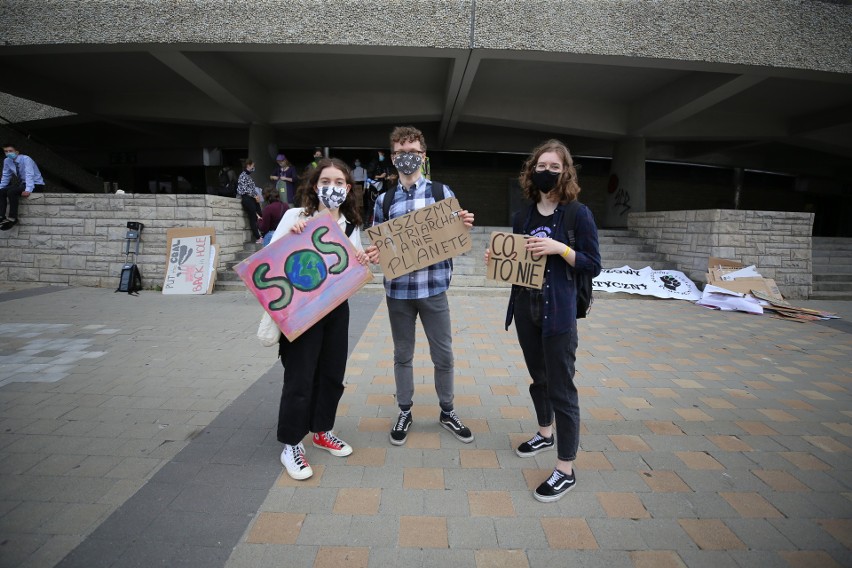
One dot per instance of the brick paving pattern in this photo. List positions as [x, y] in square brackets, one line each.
[708, 439]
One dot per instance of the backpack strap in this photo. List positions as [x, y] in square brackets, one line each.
[350, 228]
[438, 194]
[387, 201]
[570, 221]
[438, 191]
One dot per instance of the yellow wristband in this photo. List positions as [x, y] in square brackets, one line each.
[567, 250]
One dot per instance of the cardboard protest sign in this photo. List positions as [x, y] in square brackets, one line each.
[421, 238]
[190, 258]
[300, 278]
[511, 262]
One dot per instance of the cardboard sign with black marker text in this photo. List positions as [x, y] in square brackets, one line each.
[511, 262]
[420, 238]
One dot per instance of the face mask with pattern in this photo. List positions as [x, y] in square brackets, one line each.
[407, 162]
[331, 196]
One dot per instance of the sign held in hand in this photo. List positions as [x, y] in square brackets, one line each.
[300, 278]
[421, 238]
[511, 262]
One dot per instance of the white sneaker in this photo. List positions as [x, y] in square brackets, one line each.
[293, 460]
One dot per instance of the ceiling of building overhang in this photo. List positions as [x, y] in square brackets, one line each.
[183, 96]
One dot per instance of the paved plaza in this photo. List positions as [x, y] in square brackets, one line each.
[140, 431]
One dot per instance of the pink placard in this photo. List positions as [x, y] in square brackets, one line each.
[300, 278]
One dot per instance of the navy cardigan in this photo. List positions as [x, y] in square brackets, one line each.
[559, 296]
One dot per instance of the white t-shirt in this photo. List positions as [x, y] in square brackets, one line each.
[297, 213]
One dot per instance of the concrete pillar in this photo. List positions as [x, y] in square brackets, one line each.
[262, 149]
[738, 186]
[626, 189]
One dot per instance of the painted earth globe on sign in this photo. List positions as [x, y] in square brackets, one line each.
[306, 270]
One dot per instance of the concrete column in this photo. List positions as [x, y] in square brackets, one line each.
[626, 190]
[738, 186]
[262, 149]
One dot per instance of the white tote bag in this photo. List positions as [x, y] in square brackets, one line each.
[268, 332]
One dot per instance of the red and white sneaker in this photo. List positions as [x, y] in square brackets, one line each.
[293, 460]
[334, 445]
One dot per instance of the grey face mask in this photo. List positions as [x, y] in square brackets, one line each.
[408, 162]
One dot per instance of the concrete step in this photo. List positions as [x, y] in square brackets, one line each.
[833, 268]
[833, 286]
[831, 277]
[847, 295]
[832, 243]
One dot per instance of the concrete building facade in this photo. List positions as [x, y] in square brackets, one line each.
[139, 89]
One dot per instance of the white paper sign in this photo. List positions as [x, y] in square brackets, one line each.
[647, 282]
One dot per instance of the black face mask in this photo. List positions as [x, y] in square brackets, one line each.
[545, 181]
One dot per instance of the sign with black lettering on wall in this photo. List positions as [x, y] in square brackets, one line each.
[510, 262]
[420, 238]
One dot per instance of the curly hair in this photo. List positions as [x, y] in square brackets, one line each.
[403, 134]
[567, 187]
[310, 199]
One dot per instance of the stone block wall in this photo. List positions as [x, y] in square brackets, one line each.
[78, 239]
[778, 243]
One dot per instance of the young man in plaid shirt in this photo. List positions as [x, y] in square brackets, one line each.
[422, 292]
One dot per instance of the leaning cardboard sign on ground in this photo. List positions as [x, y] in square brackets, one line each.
[421, 238]
[300, 278]
[191, 260]
[510, 262]
[723, 273]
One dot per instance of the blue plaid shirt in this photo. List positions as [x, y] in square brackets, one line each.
[428, 281]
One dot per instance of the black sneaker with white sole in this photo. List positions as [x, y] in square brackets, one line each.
[399, 432]
[557, 485]
[535, 445]
[453, 423]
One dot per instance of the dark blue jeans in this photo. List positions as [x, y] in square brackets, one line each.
[550, 361]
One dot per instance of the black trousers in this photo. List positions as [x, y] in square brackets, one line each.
[252, 209]
[550, 361]
[313, 377]
[9, 197]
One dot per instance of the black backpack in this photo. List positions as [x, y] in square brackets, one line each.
[227, 186]
[582, 280]
[387, 200]
[130, 280]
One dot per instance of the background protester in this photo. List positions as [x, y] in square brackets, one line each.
[248, 193]
[284, 176]
[272, 213]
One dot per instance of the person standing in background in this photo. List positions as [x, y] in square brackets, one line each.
[247, 191]
[359, 176]
[284, 177]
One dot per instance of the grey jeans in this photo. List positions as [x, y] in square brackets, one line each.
[435, 315]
